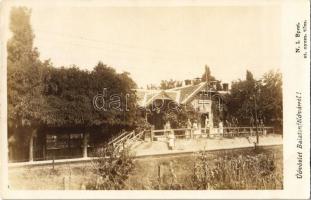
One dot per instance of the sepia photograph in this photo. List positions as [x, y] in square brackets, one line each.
[148, 97]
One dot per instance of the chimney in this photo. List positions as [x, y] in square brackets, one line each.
[196, 81]
[188, 82]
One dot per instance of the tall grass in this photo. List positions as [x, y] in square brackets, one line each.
[236, 172]
[226, 170]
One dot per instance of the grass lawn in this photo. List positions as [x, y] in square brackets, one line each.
[176, 172]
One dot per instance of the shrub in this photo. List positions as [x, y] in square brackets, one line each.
[111, 169]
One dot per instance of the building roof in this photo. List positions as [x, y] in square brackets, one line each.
[188, 92]
[180, 95]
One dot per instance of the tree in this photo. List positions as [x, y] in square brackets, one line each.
[24, 78]
[249, 76]
[207, 76]
[164, 85]
[271, 98]
[152, 87]
[116, 84]
[70, 94]
[43, 97]
[241, 100]
[252, 99]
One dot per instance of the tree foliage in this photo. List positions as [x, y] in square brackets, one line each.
[272, 98]
[178, 117]
[40, 95]
[70, 92]
[242, 99]
[262, 99]
[164, 85]
[207, 75]
[24, 72]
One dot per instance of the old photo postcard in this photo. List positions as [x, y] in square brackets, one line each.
[141, 99]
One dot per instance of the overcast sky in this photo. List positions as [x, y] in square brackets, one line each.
[156, 43]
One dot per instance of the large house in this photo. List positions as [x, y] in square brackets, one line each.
[198, 95]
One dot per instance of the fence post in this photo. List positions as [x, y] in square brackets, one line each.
[53, 161]
[66, 183]
[191, 133]
[85, 138]
[159, 175]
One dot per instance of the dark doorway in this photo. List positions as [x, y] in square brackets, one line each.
[158, 120]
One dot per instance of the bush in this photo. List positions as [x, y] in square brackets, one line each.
[111, 169]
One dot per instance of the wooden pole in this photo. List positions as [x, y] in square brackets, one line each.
[53, 161]
[257, 134]
[85, 137]
[159, 175]
[44, 147]
[69, 146]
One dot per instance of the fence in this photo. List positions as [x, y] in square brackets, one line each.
[126, 138]
[246, 131]
[187, 133]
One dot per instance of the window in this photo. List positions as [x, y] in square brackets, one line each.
[56, 141]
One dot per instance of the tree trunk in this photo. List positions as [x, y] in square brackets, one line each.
[31, 144]
[11, 154]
